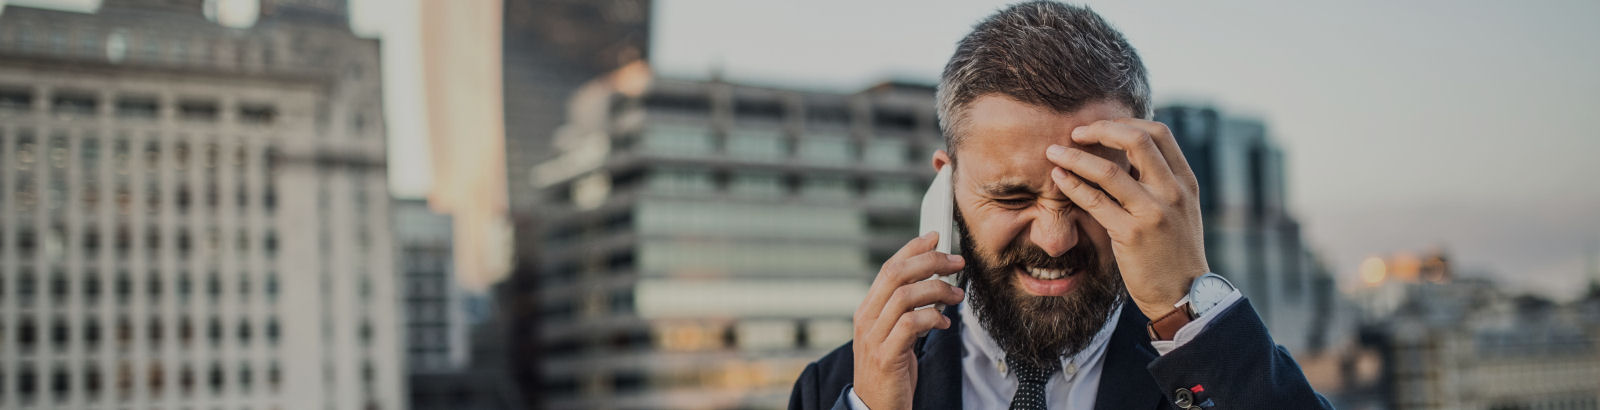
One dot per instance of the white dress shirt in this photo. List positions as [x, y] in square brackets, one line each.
[985, 383]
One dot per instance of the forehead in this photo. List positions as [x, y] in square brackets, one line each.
[1005, 139]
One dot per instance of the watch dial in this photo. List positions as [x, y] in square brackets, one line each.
[1209, 292]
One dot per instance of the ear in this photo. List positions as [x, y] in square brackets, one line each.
[940, 159]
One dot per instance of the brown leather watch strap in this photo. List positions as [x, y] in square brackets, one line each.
[1166, 327]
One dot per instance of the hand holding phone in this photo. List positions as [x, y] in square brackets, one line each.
[889, 322]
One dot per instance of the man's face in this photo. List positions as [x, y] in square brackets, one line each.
[1043, 278]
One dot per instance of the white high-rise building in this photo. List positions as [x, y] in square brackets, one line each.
[194, 216]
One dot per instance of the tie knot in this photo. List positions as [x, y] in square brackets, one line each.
[1028, 372]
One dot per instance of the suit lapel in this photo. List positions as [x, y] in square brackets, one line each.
[1125, 383]
[939, 367]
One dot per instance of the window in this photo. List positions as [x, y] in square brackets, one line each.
[91, 332]
[677, 140]
[60, 334]
[137, 107]
[680, 181]
[124, 287]
[70, 103]
[194, 110]
[827, 188]
[91, 287]
[59, 287]
[758, 145]
[886, 153]
[757, 185]
[257, 114]
[893, 191]
[827, 149]
[12, 99]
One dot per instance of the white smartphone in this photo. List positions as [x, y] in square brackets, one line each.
[939, 215]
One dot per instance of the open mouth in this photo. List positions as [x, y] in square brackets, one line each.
[1047, 281]
[1048, 274]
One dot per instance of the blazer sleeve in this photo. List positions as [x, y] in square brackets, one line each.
[824, 384]
[1234, 364]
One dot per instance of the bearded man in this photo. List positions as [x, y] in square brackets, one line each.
[1079, 220]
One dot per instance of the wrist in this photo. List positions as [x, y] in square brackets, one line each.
[1157, 301]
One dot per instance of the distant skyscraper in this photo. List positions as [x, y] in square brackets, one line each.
[550, 48]
[703, 241]
[194, 216]
[446, 370]
[1251, 236]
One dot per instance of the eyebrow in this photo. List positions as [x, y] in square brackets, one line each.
[1007, 188]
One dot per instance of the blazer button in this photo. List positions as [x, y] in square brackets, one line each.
[1184, 399]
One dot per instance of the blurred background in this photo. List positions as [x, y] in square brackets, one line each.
[617, 204]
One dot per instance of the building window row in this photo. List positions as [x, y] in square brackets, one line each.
[772, 145]
[20, 99]
[32, 383]
[30, 335]
[770, 185]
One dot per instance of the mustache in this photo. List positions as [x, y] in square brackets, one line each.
[1082, 257]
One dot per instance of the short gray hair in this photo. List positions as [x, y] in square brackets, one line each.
[1042, 53]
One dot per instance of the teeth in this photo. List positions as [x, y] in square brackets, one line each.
[1047, 274]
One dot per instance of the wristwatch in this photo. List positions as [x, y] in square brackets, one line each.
[1205, 293]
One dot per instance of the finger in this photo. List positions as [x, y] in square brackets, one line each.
[920, 267]
[1091, 199]
[878, 292]
[1111, 178]
[1141, 148]
[1168, 143]
[910, 297]
[899, 273]
[910, 325]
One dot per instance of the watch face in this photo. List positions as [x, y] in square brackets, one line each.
[1209, 290]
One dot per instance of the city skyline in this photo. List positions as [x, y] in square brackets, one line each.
[1421, 77]
[1399, 201]
[1426, 69]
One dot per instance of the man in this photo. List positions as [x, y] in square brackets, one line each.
[1079, 219]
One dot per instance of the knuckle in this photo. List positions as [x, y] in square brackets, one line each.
[900, 295]
[1161, 129]
[1095, 200]
[1107, 170]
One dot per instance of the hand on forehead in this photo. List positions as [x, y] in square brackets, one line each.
[1004, 140]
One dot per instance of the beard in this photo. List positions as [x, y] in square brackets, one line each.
[1040, 329]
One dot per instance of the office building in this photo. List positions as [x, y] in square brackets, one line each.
[703, 241]
[1251, 236]
[191, 215]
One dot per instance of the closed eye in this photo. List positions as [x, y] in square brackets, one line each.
[1013, 203]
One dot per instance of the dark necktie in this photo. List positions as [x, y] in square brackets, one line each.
[1030, 383]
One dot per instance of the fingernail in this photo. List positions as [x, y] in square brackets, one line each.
[961, 292]
[1058, 173]
[1056, 149]
[1078, 132]
[954, 258]
[929, 234]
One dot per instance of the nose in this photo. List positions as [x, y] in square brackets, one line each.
[1052, 232]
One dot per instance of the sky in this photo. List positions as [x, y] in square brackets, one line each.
[1409, 125]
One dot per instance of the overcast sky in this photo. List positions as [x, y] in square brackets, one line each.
[1463, 124]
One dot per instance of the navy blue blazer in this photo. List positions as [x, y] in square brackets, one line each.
[1234, 361]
